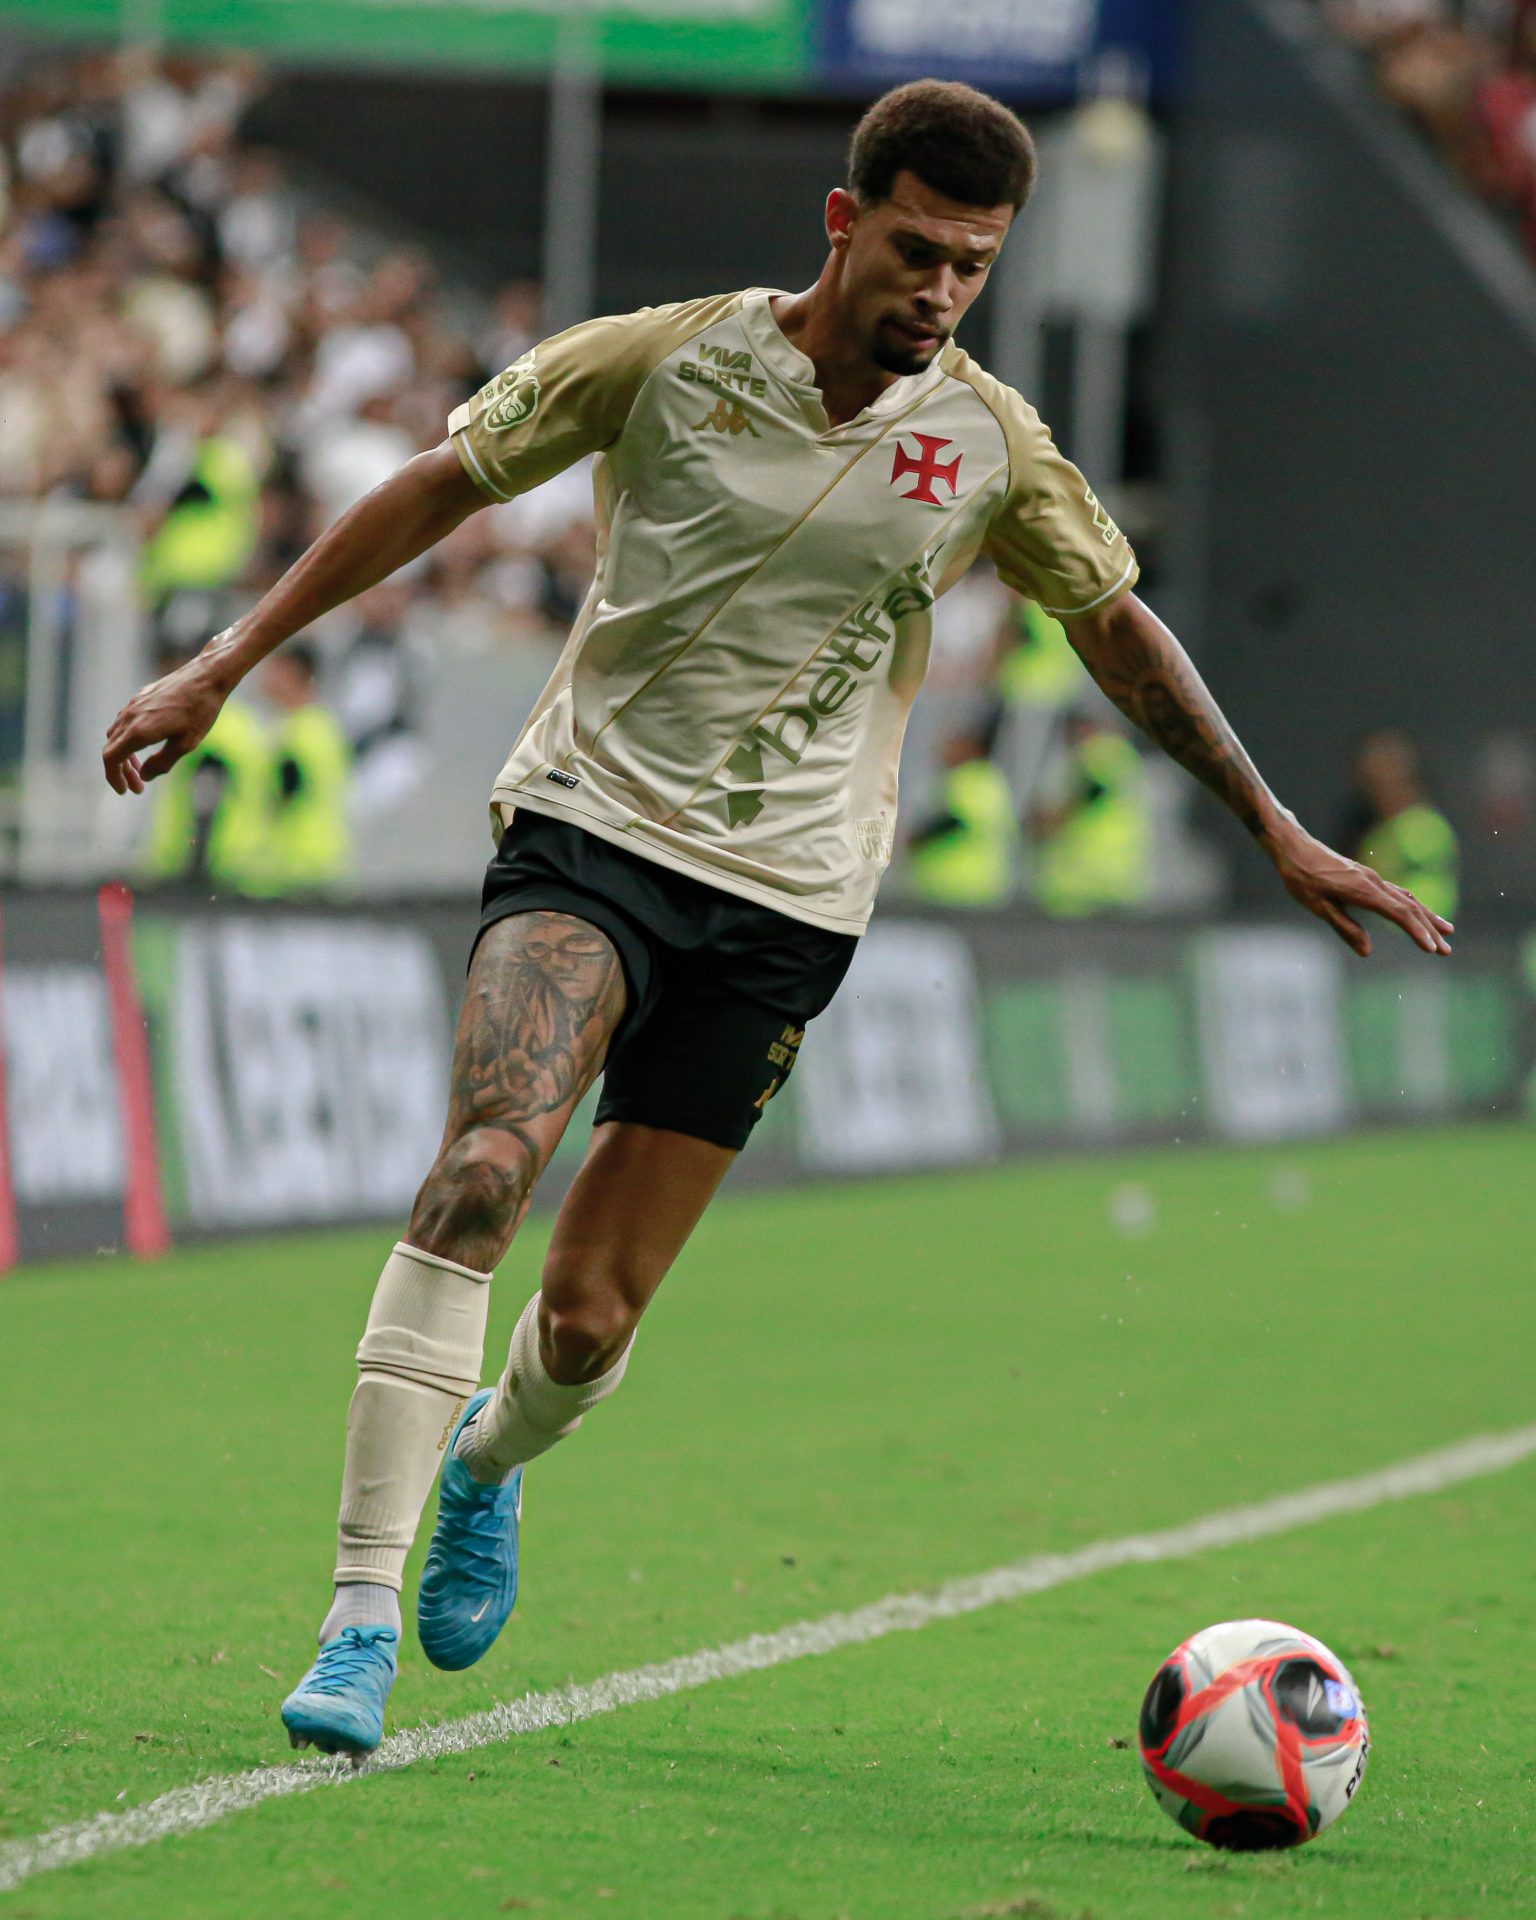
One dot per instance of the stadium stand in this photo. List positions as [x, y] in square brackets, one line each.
[1465, 70]
[197, 344]
[209, 348]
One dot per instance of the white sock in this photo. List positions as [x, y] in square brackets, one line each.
[361, 1604]
[419, 1362]
[529, 1412]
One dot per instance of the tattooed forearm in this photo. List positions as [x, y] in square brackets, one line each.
[1148, 675]
[1150, 678]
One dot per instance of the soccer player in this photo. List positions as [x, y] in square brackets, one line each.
[693, 823]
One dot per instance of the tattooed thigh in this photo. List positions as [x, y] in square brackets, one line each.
[545, 993]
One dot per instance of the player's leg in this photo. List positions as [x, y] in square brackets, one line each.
[545, 992]
[713, 1037]
[639, 1195]
[637, 1198]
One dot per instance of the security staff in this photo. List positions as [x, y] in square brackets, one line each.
[967, 855]
[209, 825]
[1095, 846]
[1396, 830]
[210, 527]
[310, 835]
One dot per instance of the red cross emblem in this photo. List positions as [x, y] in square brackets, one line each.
[927, 467]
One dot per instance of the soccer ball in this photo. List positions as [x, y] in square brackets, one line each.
[1253, 1735]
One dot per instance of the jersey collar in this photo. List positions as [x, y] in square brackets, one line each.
[795, 369]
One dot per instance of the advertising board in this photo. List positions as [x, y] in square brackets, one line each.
[1034, 50]
[275, 1067]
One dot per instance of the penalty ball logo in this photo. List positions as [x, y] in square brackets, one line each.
[514, 396]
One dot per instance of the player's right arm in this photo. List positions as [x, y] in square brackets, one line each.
[569, 397]
[409, 512]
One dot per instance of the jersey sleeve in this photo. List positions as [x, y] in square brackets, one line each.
[1050, 539]
[569, 396]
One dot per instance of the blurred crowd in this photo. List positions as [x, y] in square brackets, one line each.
[189, 336]
[1465, 70]
[200, 342]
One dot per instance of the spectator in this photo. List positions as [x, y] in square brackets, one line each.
[967, 854]
[1039, 676]
[377, 699]
[1506, 107]
[517, 325]
[209, 824]
[200, 498]
[1394, 828]
[309, 838]
[1467, 73]
[1094, 840]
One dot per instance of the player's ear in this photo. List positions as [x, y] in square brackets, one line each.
[842, 209]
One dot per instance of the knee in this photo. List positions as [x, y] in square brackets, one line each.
[473, 1196]
[583, 1329]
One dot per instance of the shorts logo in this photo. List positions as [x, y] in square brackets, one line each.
[562, 779]
[514, 396]
[783, 1054]
[926, 467]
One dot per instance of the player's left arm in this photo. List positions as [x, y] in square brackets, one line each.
[1141, 666]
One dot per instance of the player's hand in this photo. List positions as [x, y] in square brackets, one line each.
[1335, 889]
[171, 715]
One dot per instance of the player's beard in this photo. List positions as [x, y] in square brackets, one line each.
[891, 358]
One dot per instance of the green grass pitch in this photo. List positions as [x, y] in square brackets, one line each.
[841, 1393]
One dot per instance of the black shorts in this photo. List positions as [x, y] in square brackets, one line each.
[719, 989]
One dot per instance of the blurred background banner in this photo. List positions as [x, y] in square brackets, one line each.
[300, 1056]
[1033, 49]
[688, 41]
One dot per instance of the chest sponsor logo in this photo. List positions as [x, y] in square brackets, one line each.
[925, 467]
[724, 367]
[514, 396]
[779, 739]
[727, 416]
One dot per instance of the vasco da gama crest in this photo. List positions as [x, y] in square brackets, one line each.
[516, 396]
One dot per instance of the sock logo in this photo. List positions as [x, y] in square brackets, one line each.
[453, 1420]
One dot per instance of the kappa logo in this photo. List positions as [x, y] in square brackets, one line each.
[514, 395]
[727, 416]
[926, 467]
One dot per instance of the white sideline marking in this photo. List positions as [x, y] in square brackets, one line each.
[186, 1808]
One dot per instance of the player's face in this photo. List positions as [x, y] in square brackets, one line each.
[912, 266]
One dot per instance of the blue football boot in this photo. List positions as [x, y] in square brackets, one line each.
[469, 1584]
[339, 1704]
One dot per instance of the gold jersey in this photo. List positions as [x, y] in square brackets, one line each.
[732, 698]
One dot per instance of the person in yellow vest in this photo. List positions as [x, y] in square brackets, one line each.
[1094, 847]
[1039, 677]
[209, 826]
[209, 527]
[1396, 829]
[309, 842]
[967, 855]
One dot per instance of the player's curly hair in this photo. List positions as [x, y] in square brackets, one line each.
[959, 142]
